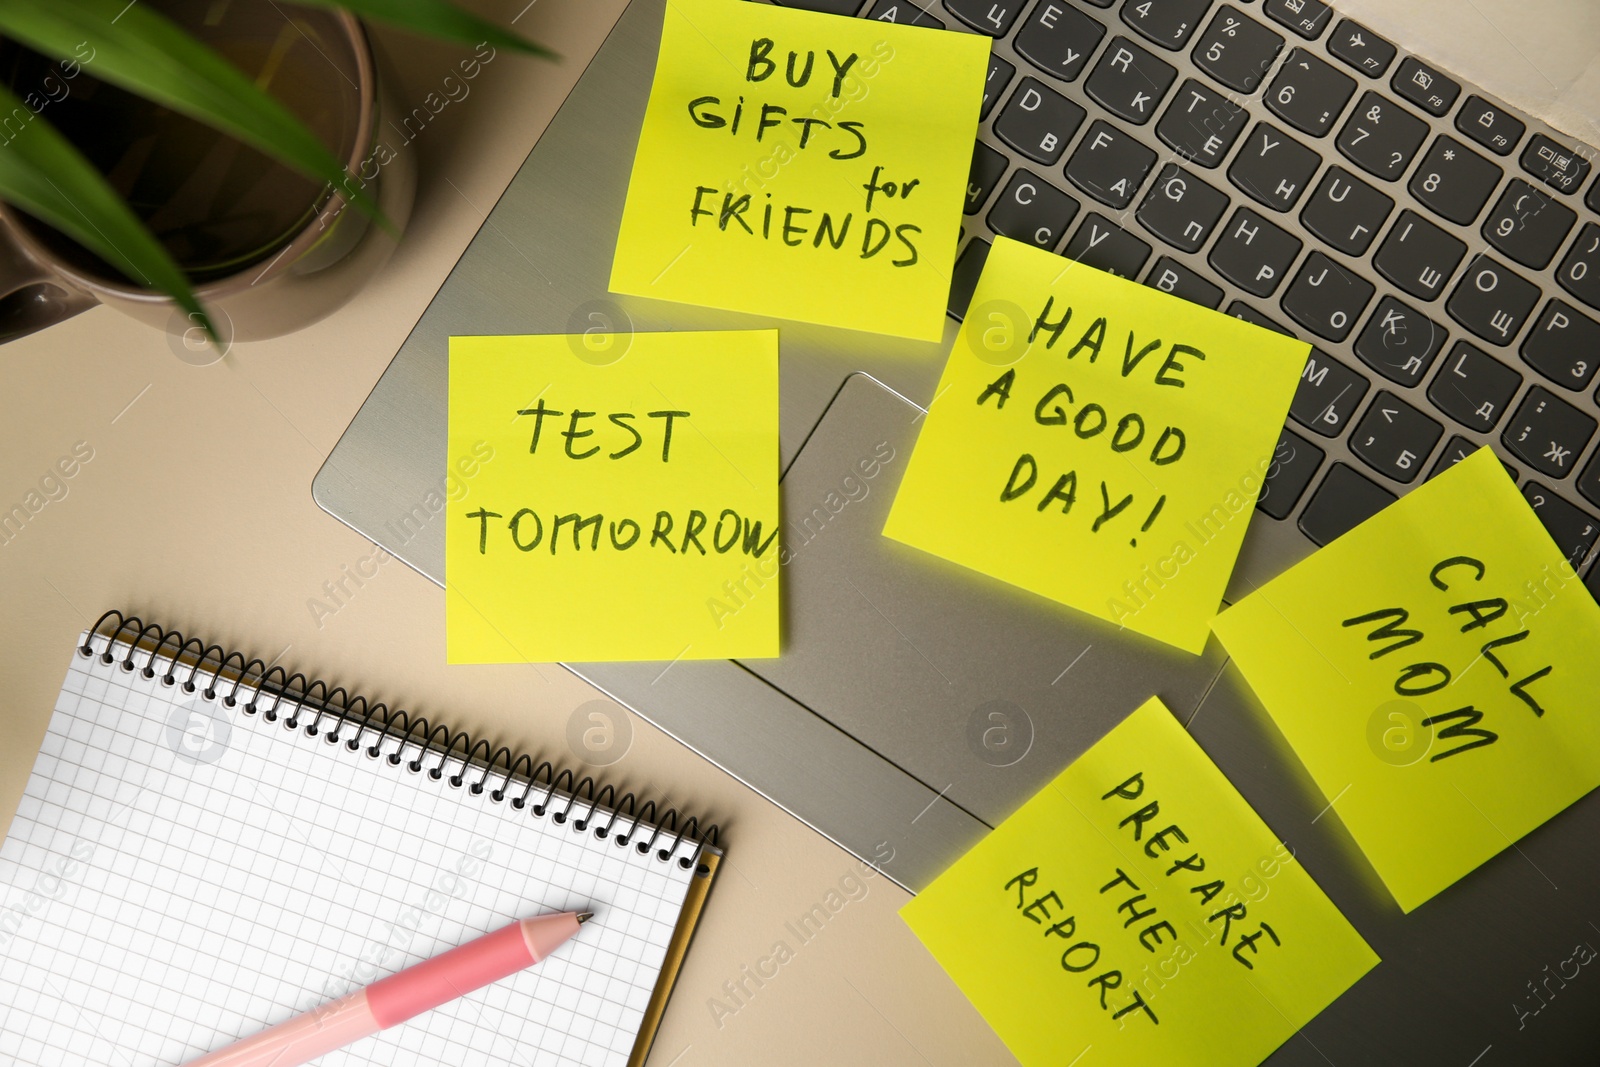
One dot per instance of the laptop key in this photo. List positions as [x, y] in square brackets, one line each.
[1418, 256]
[1102, 244]
[1343, 501]
[1454, 180]
[1457, 449]
[994, 84]
[1058, 39]
[1272, 167]
[1130, 82]
[1328, 395]
[1245, 313]
[993, 17]
[1236, 50]
[1473, 387]
[1345, 211]
[1424, 86]
[1564, 345]
[1294, 463]
[1309, 93]
[1109, 165]
[1493, 127]
[1170, 276]
[1252, 253]
[1528, 225]
[904, 13]
[1592, 200]
[1554, 163]
[1588, 482]
[1399, 342]
[1547, 433]
[1569, 526]
[1492, 301]
[1201, 124]
[1308, 18]
[1168, 23]
[1579, 273]
[1394, 438]
[1326, 297]
[1032, 210]
[1361, 48]
[987, 167]
[964, 279]
[1181, 209]
[1380, 137]
[1038, 121]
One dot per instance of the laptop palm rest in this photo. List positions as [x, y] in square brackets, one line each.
[981, 690]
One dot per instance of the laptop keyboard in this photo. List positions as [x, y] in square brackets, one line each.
[1273, 160]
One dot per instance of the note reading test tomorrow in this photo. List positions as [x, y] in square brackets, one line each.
[1098, 442]
[628, 509]
[804, 166]
[1138, 905]
[1434, 669]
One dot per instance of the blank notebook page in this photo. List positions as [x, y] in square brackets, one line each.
[180, 874]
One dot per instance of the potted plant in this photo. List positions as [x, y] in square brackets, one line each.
[191, 151]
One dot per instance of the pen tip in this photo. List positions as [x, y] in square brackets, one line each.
[584, 916]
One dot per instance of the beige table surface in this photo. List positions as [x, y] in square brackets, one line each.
[196, 510]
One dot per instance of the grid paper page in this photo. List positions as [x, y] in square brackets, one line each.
[180, 874]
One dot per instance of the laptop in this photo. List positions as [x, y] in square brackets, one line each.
[917, 703]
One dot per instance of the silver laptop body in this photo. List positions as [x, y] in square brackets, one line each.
[917, 703]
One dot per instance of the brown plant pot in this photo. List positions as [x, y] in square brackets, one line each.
[300, 251]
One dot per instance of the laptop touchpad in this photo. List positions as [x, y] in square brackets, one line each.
[978, 688]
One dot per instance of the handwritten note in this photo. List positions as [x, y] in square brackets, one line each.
[804, 166]
[1098, 442]
[1138, 905]
[1435, 670]
[629, 510]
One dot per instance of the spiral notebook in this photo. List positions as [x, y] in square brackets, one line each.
[208, 845]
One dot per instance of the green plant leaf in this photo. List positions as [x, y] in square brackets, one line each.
[435, 18]
[43, 174]
[145, 53]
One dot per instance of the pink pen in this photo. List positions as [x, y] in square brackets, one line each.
[392, 1000]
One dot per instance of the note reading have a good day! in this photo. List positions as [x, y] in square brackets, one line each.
[629, 507]
[804, 166]
[1138, 906]
[1435, 671]
[1098, 442]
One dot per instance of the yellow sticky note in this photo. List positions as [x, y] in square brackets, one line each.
[1098, 442]
[619, 501]
[804, 166]
[1435, 670]
[1138, 907]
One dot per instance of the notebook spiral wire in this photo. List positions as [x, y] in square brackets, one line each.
[215, 673]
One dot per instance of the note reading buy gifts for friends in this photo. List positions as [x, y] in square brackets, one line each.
[1435, 670]
[804, 166]
[1098, 442]
[1139, 906]
[621, 500]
